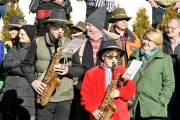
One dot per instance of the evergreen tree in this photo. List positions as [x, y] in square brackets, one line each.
[12, 10]
[67, 32]
[169, 14]
[142, 22]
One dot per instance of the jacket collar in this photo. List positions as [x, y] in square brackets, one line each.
[49, 42]
[158, 55]
[128, 34]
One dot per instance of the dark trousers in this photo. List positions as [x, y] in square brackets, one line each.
[157, 16]
[54, 111]
[138, 117]
[90, 10]
[15, 117]
[77, 110]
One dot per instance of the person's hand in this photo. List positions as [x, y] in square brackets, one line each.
[61, 69]
[58, 1]
[115, 93]
[153, 4]
[45, 0]
[177, 5]
[78, 85]
[39, 86]
[9, 44]
[97, 114]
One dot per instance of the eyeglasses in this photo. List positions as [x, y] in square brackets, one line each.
[110, 57]
[57, 26]
[170, 28]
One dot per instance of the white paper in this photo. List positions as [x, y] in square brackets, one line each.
[132, 70]
[74, 45]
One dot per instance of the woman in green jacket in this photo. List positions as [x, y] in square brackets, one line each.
[156, 85]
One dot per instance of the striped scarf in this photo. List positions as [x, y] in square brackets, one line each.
[108, 75]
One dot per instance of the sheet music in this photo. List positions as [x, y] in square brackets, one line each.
[132, 70]
[74, 45]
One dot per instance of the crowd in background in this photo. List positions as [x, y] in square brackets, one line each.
[88, 75]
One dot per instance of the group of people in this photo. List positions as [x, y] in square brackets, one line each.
[98, 67]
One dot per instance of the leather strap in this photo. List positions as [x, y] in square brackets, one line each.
[144, 70]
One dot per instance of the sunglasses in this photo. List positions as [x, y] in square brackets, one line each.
[110, 57]
[57, 26]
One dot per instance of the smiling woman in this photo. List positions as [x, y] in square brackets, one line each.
[27, 33]
[17, 92]
[160, 92]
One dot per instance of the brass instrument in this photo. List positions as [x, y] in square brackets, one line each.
[107, 106]
[51, 80]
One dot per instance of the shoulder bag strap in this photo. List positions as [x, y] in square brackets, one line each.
[144, 70]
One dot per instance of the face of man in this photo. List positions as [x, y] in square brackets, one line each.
[173, 29]
[121, 24]
[91, 30]
[56, 30]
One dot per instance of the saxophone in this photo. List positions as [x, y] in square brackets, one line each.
[51, 80]
[107, 106]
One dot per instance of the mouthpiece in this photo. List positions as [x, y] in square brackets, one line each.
[113, 65]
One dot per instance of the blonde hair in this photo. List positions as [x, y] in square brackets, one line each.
[155, 36]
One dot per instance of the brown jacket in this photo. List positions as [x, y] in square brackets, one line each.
[132, 43]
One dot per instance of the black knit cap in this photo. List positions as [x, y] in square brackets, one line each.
[97, 18]
[30, 30]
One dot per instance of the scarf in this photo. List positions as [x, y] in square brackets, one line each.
[145, 55]
[108, 75]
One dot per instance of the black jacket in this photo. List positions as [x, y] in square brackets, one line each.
[18, 95]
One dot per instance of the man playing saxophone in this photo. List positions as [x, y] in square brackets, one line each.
[40, 55]
[100, 88]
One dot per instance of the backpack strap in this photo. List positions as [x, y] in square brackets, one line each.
[81, 51]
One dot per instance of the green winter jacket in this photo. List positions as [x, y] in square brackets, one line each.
[156, 86]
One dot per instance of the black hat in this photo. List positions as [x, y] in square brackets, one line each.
[97, 18]
[15, 21]
[57, 16]
[30, 31]
[109, 45]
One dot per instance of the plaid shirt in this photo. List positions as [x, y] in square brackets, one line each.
[95, 47]
[99, 3]
[123, 39]
[174, 43]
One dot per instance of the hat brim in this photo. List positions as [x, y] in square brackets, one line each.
[77, 27]
[11, 26]
[113, 20]
[100, 52]
[57, 21]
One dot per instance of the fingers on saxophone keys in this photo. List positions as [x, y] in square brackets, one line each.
[40, 88]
